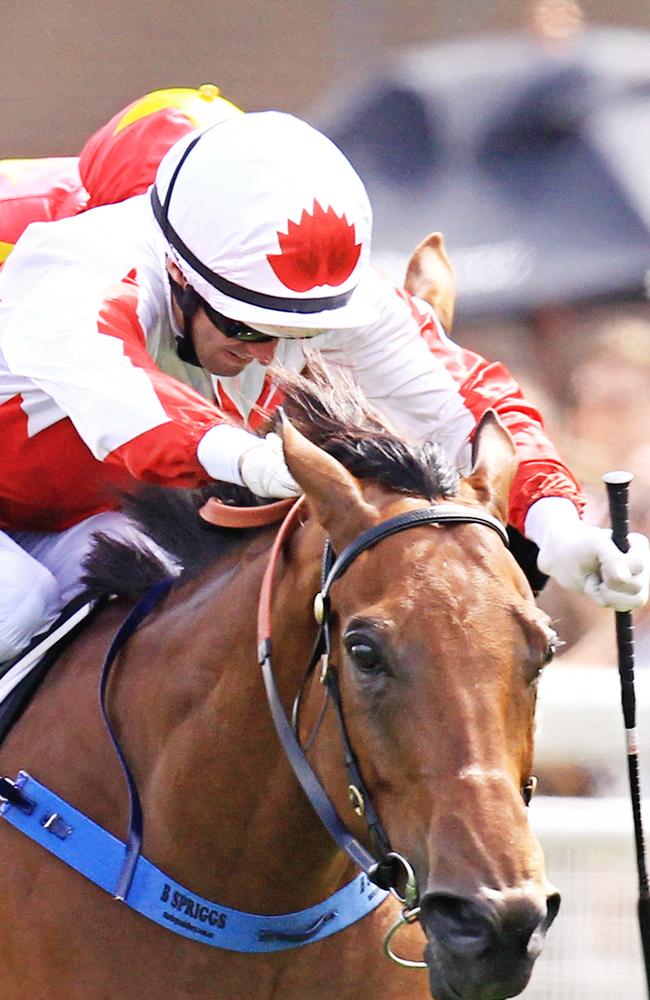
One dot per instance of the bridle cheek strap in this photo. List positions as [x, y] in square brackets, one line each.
[302, 769]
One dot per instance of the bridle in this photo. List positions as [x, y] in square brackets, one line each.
[386, 867]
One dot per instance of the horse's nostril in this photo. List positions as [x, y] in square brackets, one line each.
[474, 927]
[552, 906]
[460, 925]
[536, 943]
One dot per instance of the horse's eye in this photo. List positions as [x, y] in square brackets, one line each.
[365, 656]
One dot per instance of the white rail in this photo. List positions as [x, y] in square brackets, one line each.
[580, 721]
[593, 951]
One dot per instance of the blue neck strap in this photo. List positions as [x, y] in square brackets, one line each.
[99, 856]
[121, 870]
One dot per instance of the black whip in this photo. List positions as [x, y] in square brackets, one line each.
[618, 484]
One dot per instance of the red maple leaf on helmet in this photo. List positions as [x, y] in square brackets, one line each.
[317, 250]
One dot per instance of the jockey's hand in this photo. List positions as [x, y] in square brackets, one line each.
[237, 456]
[584, 558]
[264, 471]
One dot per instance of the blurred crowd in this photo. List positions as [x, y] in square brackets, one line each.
[587, 368]
[601, 417]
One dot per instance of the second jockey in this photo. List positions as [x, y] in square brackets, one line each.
[117, 162]
[134, 343]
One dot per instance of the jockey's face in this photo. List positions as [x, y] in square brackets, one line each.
[222, 355]
[218, 354]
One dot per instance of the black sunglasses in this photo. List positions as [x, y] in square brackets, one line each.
[233, 328]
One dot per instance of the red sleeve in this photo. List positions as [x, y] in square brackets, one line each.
[487, 385]
[165, 454]
[37, 190]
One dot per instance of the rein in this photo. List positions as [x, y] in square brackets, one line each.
[301, 767]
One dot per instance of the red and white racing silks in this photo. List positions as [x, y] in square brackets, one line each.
[489, 385]
[93, 396]
[38, 190]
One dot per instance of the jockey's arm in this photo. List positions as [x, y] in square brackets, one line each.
[444, 395]
[82, 344]
[484, 385]
[428, 386]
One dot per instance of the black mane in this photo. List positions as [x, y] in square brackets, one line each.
[329, 410]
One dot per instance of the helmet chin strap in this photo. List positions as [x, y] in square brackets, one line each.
[188, 302]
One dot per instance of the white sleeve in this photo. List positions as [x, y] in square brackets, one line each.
[550, 512]
[56, 339]
[401, 377]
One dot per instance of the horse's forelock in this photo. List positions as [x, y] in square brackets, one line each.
[328, 407]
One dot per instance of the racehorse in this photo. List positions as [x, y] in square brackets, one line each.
[437, 645]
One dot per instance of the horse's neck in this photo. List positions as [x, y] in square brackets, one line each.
[220, 801]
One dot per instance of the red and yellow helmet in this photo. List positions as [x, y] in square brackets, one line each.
[120, 160]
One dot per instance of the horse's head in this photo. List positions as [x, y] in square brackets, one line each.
[439, 646]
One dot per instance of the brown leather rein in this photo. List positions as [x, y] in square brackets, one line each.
[224, 516]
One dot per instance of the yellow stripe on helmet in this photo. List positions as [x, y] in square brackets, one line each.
[5, 250]
[192, 102]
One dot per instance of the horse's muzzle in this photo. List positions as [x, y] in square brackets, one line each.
[484, 949]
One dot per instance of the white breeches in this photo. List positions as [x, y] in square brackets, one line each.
[41, 571]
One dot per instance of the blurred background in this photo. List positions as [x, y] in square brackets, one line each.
[521, 130]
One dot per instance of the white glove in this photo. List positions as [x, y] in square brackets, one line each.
[263, 469]
[584, 558]
[237, 456]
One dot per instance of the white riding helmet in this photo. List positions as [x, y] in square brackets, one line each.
[268, 222]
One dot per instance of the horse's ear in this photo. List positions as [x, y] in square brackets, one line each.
[494, 464]
[431, 277]
[333, 493]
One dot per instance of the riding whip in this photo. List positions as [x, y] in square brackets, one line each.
[618, 495]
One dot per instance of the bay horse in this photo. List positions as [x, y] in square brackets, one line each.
[438, 646]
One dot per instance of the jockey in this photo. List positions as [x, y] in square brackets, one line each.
[134, 343]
